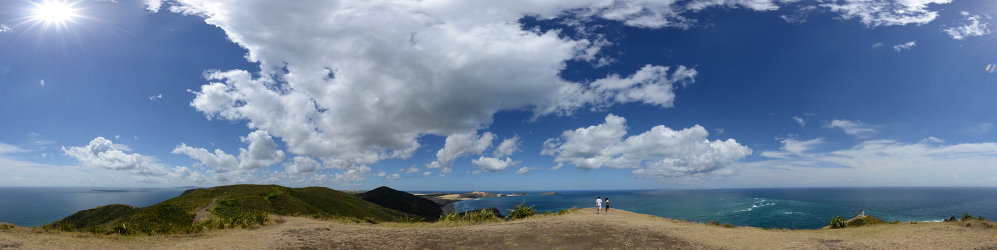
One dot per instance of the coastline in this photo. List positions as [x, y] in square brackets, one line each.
[583, 229]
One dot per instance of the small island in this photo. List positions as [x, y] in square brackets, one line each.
[548, 193]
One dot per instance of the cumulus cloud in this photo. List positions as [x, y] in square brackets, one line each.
[875, 13]
[458, 145]
[302, 165]
[153, 5]
[524, 170]
[489, 164]
[412, 169]
[904, 46]
[352, 175]
[974, 26]
[356, 82]
[855, 128]
[102, 153]
[363, 81]
[507, 147]
[262, 152]
[659, 153]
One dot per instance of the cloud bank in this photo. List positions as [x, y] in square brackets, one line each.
[660, 153]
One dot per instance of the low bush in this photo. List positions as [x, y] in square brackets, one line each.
[837, 222]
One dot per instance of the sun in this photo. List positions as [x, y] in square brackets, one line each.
[54, 12]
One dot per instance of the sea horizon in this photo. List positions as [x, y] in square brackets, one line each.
[786, 207]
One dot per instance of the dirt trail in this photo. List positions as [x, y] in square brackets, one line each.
[202, 213]
[580, 230]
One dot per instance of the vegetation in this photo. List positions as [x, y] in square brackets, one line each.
[837, 222]
[521, 212]
[236, 206]
[403, 202]
[476, 216]
[715, 223]
[863, 221]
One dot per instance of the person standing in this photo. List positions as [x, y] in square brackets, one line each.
[607, 205]
[598, 204]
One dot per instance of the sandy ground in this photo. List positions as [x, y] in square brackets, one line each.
[580, 230]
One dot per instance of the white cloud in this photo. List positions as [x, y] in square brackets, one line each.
[974, 26]
[393, 176]
[904, 46]
[5, 28]
[793, 147]
[881, 163]
[102, 153]
[366, 79]
[507, 147]
[412, 169]
[156, 97]
[302, 165]
[489, 164]
[875, 13]
[427, 173]
[352, 175]
[855, 128]
[262, 152]
[357, 82]
[42, 83]
[10, 149]
[877, 45]
[153, 5]
[660, 153]
[458, 145]
[800, 120]
[524, 170]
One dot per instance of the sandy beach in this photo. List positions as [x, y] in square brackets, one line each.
[579, 230]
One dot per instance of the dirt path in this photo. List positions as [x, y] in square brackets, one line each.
[202, 213]
[580, 230]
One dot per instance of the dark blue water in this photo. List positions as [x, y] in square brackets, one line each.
[34, 206]
[796, 208]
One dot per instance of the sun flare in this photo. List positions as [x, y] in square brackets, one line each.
[54, 12]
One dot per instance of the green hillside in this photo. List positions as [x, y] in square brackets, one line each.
[236, 205]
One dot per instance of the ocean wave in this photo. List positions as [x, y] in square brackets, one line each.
[757, 203]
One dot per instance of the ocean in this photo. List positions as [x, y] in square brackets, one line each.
[792, 208]
[35, 206]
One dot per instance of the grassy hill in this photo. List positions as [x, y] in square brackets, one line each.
[402, 201]
[235, 205]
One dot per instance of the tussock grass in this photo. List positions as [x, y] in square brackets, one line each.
[521, 212]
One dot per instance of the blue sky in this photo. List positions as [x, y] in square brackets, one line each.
[485, 95]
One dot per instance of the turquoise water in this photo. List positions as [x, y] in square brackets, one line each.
[795, 208]
[34, 206]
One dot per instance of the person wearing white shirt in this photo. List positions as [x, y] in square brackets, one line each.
[598, 204]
